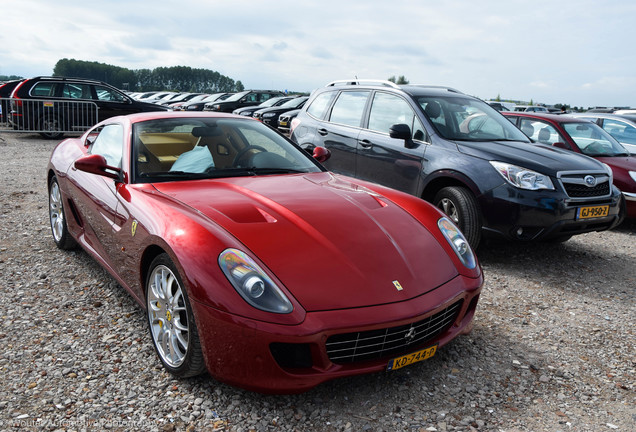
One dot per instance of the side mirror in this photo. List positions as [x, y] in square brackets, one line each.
[96, 164]
[561, 145]
[321, 154]
[403, 132]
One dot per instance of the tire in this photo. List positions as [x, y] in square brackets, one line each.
[171, 321]
[51, 126]
[57, 217]
[460, 206]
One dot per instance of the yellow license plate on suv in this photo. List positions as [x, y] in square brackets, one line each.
[409, 359]
[592, 212]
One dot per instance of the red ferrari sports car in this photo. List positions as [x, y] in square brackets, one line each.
[253, 262]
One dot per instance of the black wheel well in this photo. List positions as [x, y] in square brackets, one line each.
[151, 252]
[431, 189]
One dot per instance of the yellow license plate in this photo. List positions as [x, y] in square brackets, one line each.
[592, 212]
[409, 359]
[283, 123]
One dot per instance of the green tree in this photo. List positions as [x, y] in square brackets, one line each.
[399, 80]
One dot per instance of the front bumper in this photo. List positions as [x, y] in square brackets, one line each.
[519, 214]
[248, 353]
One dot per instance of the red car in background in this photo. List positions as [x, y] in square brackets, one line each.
[583, 136]
[254, 262]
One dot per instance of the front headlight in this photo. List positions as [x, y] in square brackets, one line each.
[192, 107]
[458, 242]
[216, 107]
[252, 283]
[522, 178]
[632, 174]
[269, 115]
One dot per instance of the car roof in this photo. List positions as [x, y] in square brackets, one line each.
[555, 118]
[53, 78]
[630, 117]
[411, 89]
[157, 115]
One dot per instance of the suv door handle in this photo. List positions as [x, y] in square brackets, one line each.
[322, 131]
[365, 143]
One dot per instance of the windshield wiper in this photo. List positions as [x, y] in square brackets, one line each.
[173, 174]
[257, 171]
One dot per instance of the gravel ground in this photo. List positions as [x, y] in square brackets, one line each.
[553, 346]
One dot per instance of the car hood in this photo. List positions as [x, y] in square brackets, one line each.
[332, 244]
[627, 163]
[538, 157]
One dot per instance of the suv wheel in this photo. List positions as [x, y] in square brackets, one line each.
[461, 207]
[51, 126]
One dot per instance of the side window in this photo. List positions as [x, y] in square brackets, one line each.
[623, 132]
[43, 89]
[349, 107]
[76, 91]
[107, 94]
[109, 143]
[387, 110]
[319, 105]
[540, 131]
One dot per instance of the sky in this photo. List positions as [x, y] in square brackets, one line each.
[574, 52]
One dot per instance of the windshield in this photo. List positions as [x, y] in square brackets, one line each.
[294, 103]
[236, 96]
[176, 149]
[464, 119]
[593, 140]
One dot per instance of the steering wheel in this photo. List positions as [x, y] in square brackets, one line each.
[243, 151]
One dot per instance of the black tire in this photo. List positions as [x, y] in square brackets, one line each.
[51, 126]
[57, 217]
[461, 207]
[170, 320]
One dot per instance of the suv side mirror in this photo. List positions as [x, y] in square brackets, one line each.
[403, 132]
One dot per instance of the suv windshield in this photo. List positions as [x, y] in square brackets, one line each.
[464, 119]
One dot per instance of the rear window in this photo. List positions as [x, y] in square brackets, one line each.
[43, 89]
[319, 104]
[349, 108]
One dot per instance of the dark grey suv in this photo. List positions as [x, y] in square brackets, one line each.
[460, 154]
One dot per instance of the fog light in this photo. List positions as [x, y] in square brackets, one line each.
[520, 232]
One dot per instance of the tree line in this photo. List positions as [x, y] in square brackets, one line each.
[177, 78]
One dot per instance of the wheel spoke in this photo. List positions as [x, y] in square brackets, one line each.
[168, 316]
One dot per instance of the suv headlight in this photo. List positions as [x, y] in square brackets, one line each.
[252, 283]
[632, 174]
[458, 242]
[269, 115]
[522, 178]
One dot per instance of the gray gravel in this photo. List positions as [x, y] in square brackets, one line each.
[553, 346]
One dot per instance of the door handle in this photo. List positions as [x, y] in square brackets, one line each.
[365, 143]
[322, 131]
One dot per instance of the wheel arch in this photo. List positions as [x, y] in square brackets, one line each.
[445, 178]
[149, 254]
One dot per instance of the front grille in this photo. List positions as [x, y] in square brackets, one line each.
[581, 191]
[375, 344]
[576, 187]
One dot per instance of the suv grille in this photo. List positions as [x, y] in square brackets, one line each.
[576, 187]
[375, 344]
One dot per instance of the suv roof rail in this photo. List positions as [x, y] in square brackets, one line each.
[357, 81]
[450, 89]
